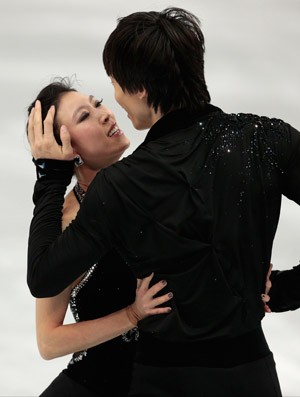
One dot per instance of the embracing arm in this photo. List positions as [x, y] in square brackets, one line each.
[282, 292]
[56, 259]
[56, 339]
[285, 291]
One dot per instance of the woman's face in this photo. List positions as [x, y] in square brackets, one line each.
[94, 132]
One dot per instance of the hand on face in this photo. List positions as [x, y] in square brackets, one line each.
[41, 138]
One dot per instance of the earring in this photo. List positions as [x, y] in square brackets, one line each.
[78, 161]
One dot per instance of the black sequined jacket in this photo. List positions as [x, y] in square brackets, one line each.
[197, 203]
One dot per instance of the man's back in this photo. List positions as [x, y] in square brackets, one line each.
[198, 203]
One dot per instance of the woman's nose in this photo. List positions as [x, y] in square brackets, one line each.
[105, 116]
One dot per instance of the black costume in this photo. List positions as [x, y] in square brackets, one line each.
[198, 203]
[104, 370]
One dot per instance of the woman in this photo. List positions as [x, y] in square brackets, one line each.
[104, 343]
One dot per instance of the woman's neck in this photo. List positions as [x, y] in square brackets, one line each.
[85, 176]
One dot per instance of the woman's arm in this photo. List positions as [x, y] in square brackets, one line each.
[56, 339]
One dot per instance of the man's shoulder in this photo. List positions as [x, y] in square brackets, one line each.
[246, 118]
[237, 122]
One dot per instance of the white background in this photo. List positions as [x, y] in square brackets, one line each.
[252, 65]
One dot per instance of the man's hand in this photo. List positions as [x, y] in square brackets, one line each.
[41, 138]
[265, 297]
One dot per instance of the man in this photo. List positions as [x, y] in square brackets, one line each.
[197, 203]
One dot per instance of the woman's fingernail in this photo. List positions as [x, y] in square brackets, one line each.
[164, 282]
[170, 294]
[169, 309]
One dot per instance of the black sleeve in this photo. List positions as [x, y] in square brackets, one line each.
[285, 290]
[55, 259]
[288, 147]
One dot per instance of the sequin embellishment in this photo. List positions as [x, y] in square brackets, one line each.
[128, 336]
[76, 289]
[79, 355]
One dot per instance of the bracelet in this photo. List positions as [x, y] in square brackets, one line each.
[54, 169]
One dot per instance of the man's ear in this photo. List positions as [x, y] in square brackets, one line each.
[142, 94]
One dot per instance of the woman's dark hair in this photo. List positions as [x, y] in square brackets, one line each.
[51, 95]
[163, 53]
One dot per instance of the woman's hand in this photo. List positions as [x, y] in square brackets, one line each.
[41, 138]
[146, 303]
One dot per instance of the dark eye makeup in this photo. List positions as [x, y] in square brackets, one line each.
[86, 114]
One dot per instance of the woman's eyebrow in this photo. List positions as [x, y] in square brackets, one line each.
[91, 99]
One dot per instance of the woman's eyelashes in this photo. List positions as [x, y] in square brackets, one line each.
[83, 116]
[98, 103]
[86, 114]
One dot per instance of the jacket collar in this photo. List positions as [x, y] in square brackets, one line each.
[176, 120]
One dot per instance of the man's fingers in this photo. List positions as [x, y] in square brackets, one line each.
[65, 138]
[265, 298]
[41, 136]
[270, 270]
[268, 286]
[37, 121]
[30, 131]
[48, 124]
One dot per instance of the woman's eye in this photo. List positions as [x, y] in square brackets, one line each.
[98, 103]
[83, 116]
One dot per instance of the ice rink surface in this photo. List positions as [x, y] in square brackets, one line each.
[252, 65]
